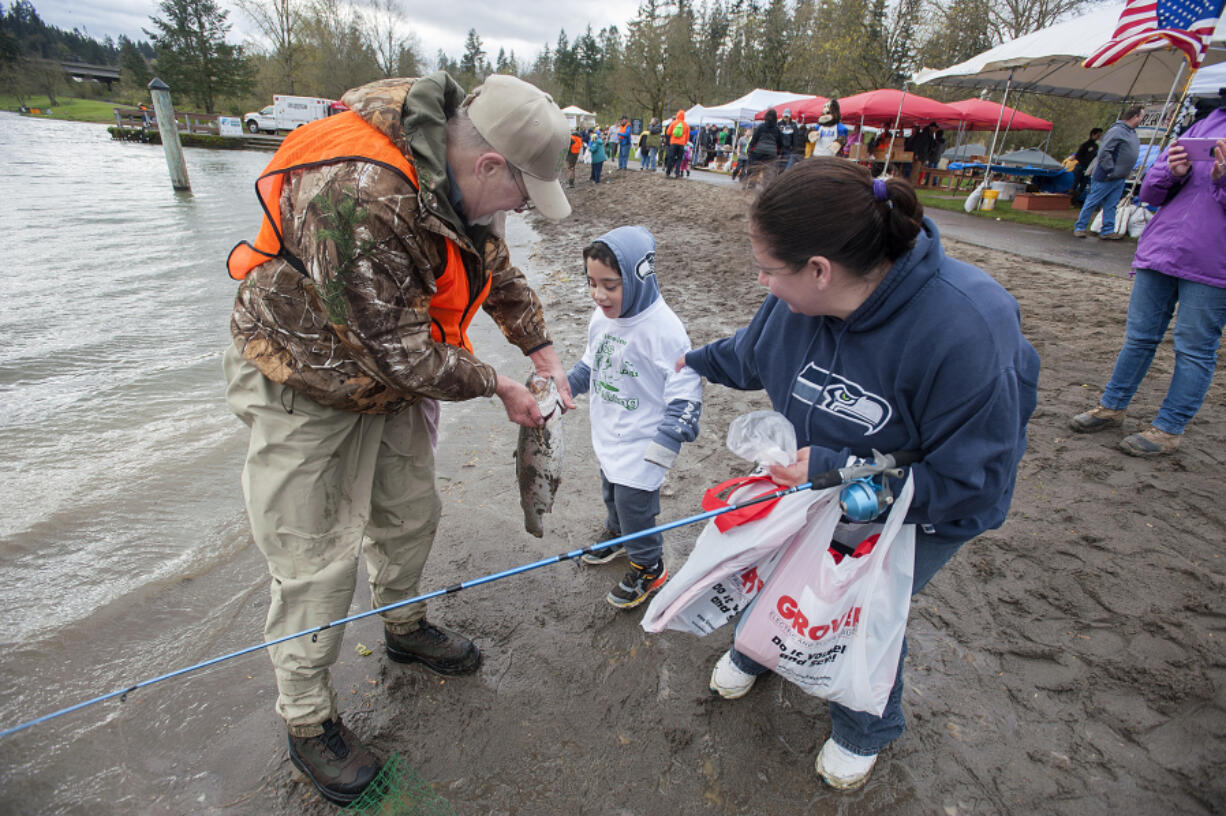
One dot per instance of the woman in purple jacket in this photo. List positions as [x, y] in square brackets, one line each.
[1181, 258]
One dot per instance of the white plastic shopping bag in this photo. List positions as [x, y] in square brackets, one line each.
[733, 556]
[835, 626]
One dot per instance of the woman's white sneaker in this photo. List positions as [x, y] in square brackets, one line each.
[842, 769]
[728, 681]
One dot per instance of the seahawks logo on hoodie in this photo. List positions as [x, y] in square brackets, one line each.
[841, 397]
[646, 266]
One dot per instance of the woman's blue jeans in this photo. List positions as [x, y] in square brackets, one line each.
[858, 731]
[1198, 332]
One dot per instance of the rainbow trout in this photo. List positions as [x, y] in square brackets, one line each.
[538, 457]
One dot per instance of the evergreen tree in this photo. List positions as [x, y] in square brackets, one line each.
[193, 57]
[473, 64]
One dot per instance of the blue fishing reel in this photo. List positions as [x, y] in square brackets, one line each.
[865, 499]
[866, 494]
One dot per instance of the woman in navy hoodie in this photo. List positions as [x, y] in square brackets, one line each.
[871, 338]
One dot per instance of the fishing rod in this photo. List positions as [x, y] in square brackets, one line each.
[860, 478]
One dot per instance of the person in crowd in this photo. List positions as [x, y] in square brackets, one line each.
[923, 142]
[1084, 157]
[1114, 163]
[764, 149]
[641, 410]
[625, 134]
[831, 132]
[678, 136]
[1180, 259]
[598, 155]
[859, 298]
[572, 156]
[938, 148]
[349, 326]
[791, 140]
[649, 143]
[742, 155]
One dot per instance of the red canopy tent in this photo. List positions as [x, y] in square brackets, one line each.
[891, 108]
[982, 114]
[803, 110]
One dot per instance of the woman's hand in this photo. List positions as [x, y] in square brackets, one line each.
[1219, 161]
[1177, 161]
[793, 474]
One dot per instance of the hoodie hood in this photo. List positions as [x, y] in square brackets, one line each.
[635, 250]
[908, 275]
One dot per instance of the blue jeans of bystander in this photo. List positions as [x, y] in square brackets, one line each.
[1105, 194]
[1198, 332]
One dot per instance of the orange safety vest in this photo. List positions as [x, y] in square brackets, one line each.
[349, 137]
[576, 144]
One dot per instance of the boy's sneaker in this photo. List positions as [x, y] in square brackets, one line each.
[336, 762]
[637, 585]
[842, 769]
[1150, 442]
[608, 553]
[1096, 419]
[728, 681]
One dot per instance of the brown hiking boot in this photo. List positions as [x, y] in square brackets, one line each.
[1096, 419]
[337, 763]
[1150, 442]
[438, 649]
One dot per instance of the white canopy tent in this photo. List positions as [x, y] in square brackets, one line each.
[743, 109]
[699, 115]
[1208, 80]
[577, 116]
[1048, 61]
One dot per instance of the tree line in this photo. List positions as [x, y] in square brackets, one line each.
[672, 54]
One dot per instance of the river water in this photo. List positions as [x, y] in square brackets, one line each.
[123, 541]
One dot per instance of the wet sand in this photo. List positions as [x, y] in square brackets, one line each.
[1070, 662]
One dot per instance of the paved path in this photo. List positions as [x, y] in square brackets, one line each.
[1023, 240]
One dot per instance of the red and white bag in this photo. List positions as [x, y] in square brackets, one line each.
[734, 556]
[834, 625]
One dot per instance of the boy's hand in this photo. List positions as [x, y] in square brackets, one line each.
[680, 364]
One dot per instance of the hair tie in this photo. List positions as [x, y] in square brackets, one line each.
[881, 193]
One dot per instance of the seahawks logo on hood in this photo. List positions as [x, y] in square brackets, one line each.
[646, 266]
[841, 397]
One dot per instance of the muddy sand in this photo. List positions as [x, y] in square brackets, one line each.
[1071, 662]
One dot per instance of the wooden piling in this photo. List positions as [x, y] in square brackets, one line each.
[169, 131]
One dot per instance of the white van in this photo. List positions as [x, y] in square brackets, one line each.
[287, 113]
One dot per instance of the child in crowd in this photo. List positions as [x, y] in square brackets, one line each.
[596, 146]
[641, 409]
[686, 158]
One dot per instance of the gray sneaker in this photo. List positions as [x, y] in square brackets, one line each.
[608, 553]
[1096, 419]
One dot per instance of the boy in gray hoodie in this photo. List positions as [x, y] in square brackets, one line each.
[641, 409]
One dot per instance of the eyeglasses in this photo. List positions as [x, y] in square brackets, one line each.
[518, 178]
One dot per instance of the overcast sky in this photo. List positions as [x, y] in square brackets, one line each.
[522, 26]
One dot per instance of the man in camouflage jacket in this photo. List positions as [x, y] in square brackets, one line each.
[335, 369]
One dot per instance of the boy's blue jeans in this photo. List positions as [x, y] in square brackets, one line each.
[1105, 194]
[858, 731]
[623, 156]
[629, 511]
[1198, 332]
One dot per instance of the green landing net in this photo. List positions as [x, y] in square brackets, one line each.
[399, 790]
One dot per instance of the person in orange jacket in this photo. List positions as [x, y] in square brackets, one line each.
[678, 135]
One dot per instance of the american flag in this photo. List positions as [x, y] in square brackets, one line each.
[1185, 24]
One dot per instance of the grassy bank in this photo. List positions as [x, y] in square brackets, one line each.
[69, 108]
[1057, 219]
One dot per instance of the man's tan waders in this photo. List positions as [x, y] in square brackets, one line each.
[322, 485]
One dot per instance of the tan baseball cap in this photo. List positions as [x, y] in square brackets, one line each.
[524, 124]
